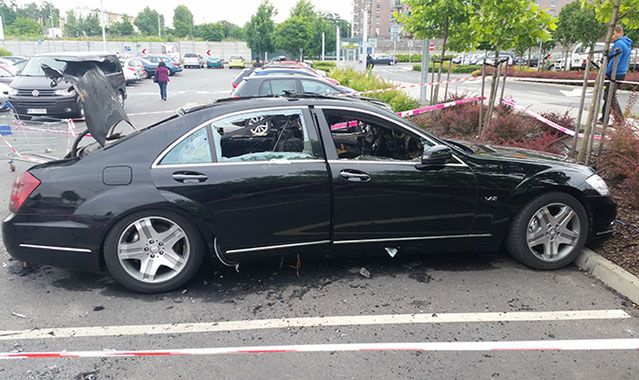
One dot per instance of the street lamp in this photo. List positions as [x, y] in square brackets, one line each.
[102, 21]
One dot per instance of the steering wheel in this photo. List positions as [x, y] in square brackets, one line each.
[74, 147]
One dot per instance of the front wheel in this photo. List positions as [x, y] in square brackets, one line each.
[549, 232]
[153, 251]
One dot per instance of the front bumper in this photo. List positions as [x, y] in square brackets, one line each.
[62, 244]
[59, 106]
[603, 211]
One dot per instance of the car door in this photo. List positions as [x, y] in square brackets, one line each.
[263, 180]
[380, 195]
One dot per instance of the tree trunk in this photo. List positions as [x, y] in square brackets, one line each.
[441, 64]
[493, 91]
[584, 147]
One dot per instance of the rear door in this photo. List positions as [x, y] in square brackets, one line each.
[260, 175]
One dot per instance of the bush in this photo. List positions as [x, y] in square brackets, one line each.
[396, 99]
[404, 58]
[324, 65]
[4, 52]
[620, 160]
[457, 69]
[359, 81]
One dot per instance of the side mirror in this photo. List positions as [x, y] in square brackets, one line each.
[435, 157]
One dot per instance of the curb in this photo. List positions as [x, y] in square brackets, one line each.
[610, 274]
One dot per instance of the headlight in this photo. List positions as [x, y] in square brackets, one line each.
[68, 92]
[597, 183]
[13, 92]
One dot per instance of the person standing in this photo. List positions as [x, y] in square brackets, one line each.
[162, 78]
[370, 62]
[620, 50]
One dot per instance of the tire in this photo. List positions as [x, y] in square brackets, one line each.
[540, 241]
[185, 254]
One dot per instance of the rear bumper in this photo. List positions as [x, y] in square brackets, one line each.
[604, 213]
[61, 244]
[60, 106]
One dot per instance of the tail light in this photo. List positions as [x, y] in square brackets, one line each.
[234, 85]
[21, 190]
[131, 68]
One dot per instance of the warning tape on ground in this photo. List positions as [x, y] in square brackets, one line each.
[542, 119]
[533, 345]
[416, 85]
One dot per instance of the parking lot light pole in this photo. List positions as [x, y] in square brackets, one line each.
[102, 21]
[323, 44]
[424, 76]
[338, 44]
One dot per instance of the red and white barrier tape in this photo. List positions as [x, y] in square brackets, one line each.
[11, 147]
[542, 119]
[441, 106]
[538, 345]
[459, 80]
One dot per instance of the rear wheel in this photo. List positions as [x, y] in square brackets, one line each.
[153, 251]
[549, 232]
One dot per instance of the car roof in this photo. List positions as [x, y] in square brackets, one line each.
[83, 54]
[286, 76]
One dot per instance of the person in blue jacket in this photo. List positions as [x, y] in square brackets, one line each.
[623, 47]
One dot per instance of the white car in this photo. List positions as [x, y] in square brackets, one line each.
[133, 69]
[192, 60]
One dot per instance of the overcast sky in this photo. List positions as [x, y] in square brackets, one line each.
[236, 11]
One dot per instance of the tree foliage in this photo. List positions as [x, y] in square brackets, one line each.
[147, 21]
[293, 34]
[182, 21]
[210, 32]
[578, 24]
[23, 26]
[260, 29]
[122, 28]
[628, 11]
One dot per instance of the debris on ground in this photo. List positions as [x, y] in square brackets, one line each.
[364, 272]
[297, 266]
[98, 308]
[391, 251]
[19, 315]
[184, 291]
[17, 347]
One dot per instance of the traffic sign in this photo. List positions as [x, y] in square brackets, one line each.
[208, 52]
[143, 51]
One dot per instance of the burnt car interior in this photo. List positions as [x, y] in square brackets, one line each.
[358, 137]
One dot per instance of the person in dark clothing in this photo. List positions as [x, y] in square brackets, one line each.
[162, 78]
[621, 50]
[370, 62]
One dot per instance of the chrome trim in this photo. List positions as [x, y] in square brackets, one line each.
[53, 248]
[265, 248]
[270, 162]
[156, 162]
[411, 238]
[414, 130]
[9, 217]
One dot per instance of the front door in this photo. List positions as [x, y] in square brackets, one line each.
[379, 193]
[263, 180]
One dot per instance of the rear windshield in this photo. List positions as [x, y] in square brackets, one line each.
[33, 67]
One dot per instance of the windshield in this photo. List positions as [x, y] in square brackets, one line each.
[33, 67]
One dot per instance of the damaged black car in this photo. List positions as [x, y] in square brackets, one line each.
[246, 177]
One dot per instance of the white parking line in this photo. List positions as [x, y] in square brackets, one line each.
[355, 320]
[529, 345]
[200, 92]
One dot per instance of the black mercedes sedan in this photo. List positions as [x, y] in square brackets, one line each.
[246, 177]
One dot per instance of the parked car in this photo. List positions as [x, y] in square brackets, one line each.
[153, 60]
[271, 70]
[490, 59]
[32, 94]
[6, 77]
[236, 62]
[214, 63]
[133, 69]
[194, 61]
[263, 177]
[384, 60]
[243, 74]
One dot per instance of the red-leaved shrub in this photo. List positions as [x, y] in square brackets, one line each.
[620, 160]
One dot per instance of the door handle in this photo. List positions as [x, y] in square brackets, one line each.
[354, 176]
[189, 177]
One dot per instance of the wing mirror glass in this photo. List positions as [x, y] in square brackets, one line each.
[435, 157]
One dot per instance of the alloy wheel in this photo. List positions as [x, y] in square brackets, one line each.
[553, 232]
[153, 249]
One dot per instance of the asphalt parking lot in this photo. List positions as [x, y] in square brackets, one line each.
[501, 319]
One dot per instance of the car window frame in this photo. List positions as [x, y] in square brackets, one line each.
[331, 151]
[312, 128]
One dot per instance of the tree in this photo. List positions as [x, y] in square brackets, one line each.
[122, 28]
[260, 29]
[148, 21]
[183, 21]
[90, 25]
[210, 32]
[231, 30]
[304, 9]
[502, 24]
[24, 27]
[72, 25]
[8, 11]
[444, 19]
[293, 34]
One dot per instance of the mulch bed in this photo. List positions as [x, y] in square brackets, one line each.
[623, 248]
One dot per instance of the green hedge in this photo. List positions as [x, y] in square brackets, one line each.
[324, 65]
[360, 81]
[4, 52]
[457, 69]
